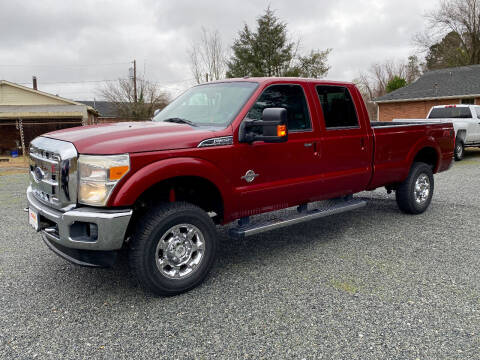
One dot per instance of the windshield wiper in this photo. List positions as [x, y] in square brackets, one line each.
[180, 121]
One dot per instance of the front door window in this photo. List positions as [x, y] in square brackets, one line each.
[290, 97]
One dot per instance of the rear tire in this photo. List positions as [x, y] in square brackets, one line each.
[415, 193]
[459, 150]
[173, 248]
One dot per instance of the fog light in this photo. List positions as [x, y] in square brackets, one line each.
[93, 231]
[82, 231]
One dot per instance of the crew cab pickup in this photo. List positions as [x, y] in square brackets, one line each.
[465, 120]
[221, 153]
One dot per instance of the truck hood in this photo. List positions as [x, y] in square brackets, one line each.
[130, 137]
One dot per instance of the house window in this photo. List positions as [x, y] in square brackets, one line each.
[469, 101]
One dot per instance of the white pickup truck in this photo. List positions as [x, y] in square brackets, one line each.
[465, 120]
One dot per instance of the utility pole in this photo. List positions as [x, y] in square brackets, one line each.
[135, 80]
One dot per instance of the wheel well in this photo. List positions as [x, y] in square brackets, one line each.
[428, 156]
[461, 135]
[192, 189]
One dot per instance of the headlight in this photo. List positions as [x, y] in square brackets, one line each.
[98, 175]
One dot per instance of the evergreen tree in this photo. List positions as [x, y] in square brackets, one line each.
[396, 83]
[447, 53]
[268, 52]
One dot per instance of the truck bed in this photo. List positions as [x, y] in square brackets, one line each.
[394, 142]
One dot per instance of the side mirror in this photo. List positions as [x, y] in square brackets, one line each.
[156, 112]
[273, 124]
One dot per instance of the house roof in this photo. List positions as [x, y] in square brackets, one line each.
[41, 111]
[61, 100]
[105, 108]
[459, 82]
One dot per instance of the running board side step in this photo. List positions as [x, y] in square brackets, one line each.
[243, 231]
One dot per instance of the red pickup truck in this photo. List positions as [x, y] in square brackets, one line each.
[221, 152]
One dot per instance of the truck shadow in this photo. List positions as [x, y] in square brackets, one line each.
[252, 252]
[472, 153]
[277, 244]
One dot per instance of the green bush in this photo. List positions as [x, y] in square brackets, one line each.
[396, 83]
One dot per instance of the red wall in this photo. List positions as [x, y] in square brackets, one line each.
[411, 109]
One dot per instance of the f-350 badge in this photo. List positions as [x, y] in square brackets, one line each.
[249, 176]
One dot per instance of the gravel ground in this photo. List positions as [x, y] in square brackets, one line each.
[370, 284]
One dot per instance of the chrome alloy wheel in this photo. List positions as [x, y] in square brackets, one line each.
[180, 251]
[459, 150]
[422, 189]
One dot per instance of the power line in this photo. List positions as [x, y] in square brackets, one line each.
[62, 65]
[173, 81]
[68, 82]
[106, 80]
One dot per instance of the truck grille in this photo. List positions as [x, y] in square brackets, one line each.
[53, 172]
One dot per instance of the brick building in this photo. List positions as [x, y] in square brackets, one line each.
[459, 85]
[27, 113]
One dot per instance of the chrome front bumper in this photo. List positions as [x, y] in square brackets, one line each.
[61, 228]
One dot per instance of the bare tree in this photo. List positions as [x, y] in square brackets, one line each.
[460, 19]
[373, 83]
[413, 69]
[208, 57]
[121, 94]
[375, 80]
[196, 66]
[369, 90]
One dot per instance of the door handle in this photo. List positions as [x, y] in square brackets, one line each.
[314, 145]
[362, 143]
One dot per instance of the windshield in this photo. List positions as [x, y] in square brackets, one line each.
[450, 113]
[214, 104]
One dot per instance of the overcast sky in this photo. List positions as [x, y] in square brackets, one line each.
[63, 41]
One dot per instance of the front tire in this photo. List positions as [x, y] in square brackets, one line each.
[459, 150]
[415, 193]
[173, 248]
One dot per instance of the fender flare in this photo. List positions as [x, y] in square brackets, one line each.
[422, 143]
[142, 179]
[461, 135]
[460, 127]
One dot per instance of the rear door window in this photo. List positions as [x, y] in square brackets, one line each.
[337, 106]
[450, 113]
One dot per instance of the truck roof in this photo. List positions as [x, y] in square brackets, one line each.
[264, 80]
